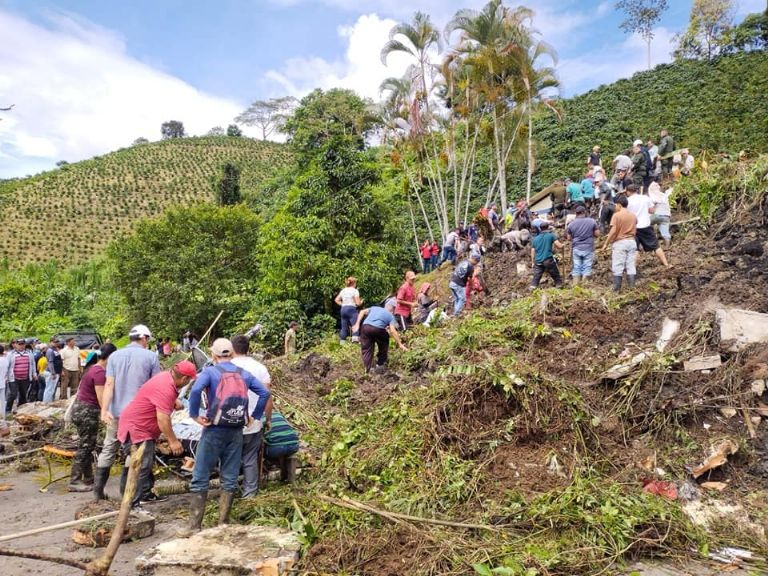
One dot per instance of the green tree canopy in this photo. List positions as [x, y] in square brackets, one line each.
[323, 116]
[177, 271]
[172, 129]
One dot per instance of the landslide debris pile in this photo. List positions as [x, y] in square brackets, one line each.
[504, 424]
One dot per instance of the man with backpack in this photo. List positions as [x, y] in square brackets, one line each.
[666, 147]
[224, 415]
[148, 415]
[642, 166]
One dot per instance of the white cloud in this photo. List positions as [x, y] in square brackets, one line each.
[78, 93]
[604, 8]
[360, 69]
[589, 70]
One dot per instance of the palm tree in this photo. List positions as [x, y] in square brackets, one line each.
[535, 88]
[486, 38]
[415, 39]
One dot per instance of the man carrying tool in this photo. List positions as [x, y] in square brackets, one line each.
[226, 389]
[127, 371]
[148, 415]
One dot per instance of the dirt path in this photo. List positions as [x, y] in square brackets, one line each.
[25, 508]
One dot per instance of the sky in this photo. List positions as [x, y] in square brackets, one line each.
[90, 76]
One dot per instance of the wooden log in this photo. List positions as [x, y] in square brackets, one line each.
[43, 557]
[100, 566]
[58, 451]
[53, 527]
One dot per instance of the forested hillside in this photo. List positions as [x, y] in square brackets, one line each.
[717, 106]
[72, 213]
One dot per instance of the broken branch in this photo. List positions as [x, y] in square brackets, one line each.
[43, 557]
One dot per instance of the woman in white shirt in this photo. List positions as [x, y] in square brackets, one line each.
[349, 300]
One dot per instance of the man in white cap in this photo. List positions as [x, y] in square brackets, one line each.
[127, 371]
[226, 388]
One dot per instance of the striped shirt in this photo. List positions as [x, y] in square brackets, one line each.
[21, 366]
[280, 432]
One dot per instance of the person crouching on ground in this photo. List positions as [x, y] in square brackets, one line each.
[226, 387]
[582, 233]
[621, 237]
[86, 416]
[543, 257]
[378, 324]
[146, 416]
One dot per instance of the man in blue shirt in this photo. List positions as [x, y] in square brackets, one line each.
[582, 232]
[221, 441]
[543, 256]
[378, 324]
[127, 370]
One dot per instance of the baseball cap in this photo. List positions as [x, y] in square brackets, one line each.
[222, 348]
[186, 368]
[637, 142]
[140, 330]
[581, 209]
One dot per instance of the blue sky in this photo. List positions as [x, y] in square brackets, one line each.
[90, 76]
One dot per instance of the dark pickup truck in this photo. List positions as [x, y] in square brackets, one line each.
[84, 339]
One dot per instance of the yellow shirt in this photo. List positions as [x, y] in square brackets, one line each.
[42, 364]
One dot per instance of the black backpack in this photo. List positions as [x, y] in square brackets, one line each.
[648, 161]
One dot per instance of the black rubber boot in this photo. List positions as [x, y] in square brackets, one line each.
[225, 505]
[76, 483]
[617, 283]
[631, 281]
[196, 512]
[99, 482]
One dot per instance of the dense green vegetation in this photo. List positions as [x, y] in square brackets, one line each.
[717, 106]
[72, 213]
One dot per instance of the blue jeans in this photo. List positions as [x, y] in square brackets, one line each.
[663, 223]
[51, 383]
[426, 264]
[275, 452]
[449, 253]
[582, 263]
[348, 319]
[221, 445]
[459, 297]
[434, 262]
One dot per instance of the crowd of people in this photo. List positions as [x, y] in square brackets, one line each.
[629, 209]
[127, 393]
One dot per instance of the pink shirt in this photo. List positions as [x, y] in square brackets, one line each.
[406, 292]
[139, 419]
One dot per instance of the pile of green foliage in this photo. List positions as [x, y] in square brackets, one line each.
[705, 105]
[426, 450]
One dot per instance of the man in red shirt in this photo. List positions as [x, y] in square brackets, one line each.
[406, 300]
[147, 416]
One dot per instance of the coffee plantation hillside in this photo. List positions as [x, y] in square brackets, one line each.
[717, 106]
[72, 213]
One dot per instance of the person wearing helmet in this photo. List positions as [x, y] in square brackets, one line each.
[128, 369]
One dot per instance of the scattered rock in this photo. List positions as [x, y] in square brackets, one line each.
[98, 533]
[224, 551]
[740, 328]
[702, 363]
[758, 387]
[728, 412]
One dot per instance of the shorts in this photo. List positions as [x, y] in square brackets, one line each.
[646, 239]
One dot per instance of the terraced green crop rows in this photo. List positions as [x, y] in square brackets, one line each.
[72, 213]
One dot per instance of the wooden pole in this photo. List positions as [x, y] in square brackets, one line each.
[19, 454]
[100, 566]
[204, 336]
[53, 527]
[43, 557]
